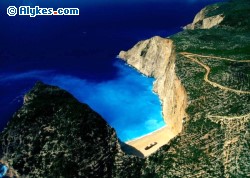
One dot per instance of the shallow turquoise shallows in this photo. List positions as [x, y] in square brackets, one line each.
[126, 102]
[77, 53]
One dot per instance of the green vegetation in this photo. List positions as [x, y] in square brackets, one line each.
[214, 140]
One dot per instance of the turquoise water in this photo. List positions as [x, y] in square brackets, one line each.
[126, 102]
[77, 53]
[3, 170]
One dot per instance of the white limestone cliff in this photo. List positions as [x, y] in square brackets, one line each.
[156, 58]
[202, 21]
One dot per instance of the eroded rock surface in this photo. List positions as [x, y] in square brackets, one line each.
[203, 21]
[156, 58]
[44, 137]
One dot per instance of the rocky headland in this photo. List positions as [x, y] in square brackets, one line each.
[202, 79]
[53, 135]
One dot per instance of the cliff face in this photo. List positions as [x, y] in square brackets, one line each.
[203, 21]
[156, 58]
[53, 135]
[213, 65]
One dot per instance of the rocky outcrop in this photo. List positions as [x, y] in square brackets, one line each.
[156, 58]
[53, 135]
[212, 21]
[203, 21]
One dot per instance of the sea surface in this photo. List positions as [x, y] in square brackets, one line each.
[78, 54]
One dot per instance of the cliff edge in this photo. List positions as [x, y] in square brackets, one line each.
[53, 135]
[212, 64]
[203, 19]
[155, 57]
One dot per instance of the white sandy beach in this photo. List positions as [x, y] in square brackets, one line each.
[161, 136]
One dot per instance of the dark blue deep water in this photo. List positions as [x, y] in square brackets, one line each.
[78, 53]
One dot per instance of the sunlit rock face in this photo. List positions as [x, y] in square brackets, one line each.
[202, 19]
[156, 57]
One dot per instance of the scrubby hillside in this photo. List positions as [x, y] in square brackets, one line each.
[53, 135]
[213, 65]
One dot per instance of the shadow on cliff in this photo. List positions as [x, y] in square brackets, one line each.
[130, 150]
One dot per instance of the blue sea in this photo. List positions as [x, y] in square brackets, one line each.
[78, 54]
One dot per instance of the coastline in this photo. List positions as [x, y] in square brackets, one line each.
[171, 94]
[137, 138]
[161, 136]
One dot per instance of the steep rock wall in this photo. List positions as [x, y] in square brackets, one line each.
[156, 58]
[203, 21]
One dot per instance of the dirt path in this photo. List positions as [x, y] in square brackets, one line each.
[192, 56]
[228, 118]
[214, 57]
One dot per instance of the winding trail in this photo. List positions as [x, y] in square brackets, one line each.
[228, 118]
[192, 56]
[235, 126]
